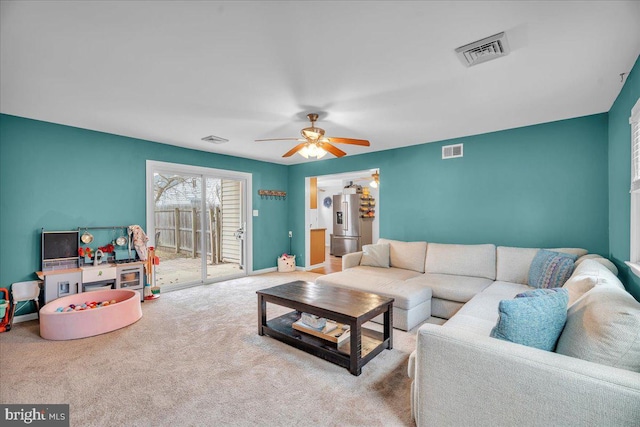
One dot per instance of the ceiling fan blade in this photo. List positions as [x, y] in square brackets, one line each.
[332, 149]
[352, 141]
[278, 139]
[294, 150]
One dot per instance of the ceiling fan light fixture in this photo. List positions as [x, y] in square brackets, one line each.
[315, 144]
[312, 150]
[304, 152]
[312, 133]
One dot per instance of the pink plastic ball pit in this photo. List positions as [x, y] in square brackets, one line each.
[87, 323]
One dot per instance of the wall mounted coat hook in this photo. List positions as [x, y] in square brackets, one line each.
[272, 194]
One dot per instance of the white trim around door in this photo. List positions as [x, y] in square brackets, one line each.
[244, 177]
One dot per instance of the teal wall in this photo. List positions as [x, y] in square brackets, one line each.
[536, 186]
[60, 177]
[563, 183]
[620, 178]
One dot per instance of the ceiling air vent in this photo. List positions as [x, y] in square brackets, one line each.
[215, 139]
[452, 151]
[484, 50]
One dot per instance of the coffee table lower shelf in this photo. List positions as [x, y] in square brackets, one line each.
[281, 328]
[346, 306]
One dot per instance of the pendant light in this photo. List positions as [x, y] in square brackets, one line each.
[376, 180]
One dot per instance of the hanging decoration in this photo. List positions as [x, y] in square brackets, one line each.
[272, 194]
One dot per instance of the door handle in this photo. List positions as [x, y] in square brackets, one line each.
[346, 216]
[239, 234]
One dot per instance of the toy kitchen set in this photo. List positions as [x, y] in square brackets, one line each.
[90, 259]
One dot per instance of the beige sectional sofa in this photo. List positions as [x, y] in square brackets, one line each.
[462, 376]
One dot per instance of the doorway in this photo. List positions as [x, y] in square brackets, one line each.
[197, 221]
[319, 215]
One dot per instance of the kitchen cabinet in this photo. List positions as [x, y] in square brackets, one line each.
[317, 245]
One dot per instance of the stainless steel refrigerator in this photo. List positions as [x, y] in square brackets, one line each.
[350, 231]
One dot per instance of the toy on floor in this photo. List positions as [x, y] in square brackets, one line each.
[286, 263]
[89, 322]
[5, 310]
[85, 306]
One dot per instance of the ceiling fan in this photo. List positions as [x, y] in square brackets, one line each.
[314, 144]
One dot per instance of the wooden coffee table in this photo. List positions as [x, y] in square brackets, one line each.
[347, 306]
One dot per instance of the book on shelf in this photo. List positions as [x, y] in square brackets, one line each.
[313, 321]
[332, 331]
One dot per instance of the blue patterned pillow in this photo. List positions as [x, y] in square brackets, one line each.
[550, 269]
[535, 320]
[538, 292]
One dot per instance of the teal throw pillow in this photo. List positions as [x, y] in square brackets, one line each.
[534, 319]
[550, 269]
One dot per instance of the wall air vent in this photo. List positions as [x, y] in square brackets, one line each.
[452, 151]
[484, 50]
[215, 139]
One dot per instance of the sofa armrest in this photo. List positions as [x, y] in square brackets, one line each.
[463, 378]
[351, 260]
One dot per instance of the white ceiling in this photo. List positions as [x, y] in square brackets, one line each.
[174, 72]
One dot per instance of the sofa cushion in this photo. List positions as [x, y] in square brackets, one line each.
[480, 314]
[375, 255]
[550, 269]
[512, 264]
[462, 260]
[370, 274]
[535, 320]
[604, 261]
[604, 327]
[407, 255]
[452, 288]
[588, 274]
[389, 282]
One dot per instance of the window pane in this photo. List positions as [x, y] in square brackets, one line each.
[177, 213]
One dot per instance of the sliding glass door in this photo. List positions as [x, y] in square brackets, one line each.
[197, 217]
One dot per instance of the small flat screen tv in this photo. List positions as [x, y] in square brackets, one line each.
[59, 245]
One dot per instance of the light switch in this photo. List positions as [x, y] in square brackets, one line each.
[255, 212]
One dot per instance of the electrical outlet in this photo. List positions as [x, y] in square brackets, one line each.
[290, 233]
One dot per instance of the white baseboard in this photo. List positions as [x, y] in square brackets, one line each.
[25, 317]
[263, 271]
[315, 266]
[275, 269]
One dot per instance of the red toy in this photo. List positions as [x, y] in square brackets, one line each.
[5, 322]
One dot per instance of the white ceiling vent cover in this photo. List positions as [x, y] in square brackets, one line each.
[215, 139]
[452, 151]
[484, 50]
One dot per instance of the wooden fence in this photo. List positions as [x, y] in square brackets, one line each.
[180, 229]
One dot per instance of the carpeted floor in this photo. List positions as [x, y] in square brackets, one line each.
[195, 359]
